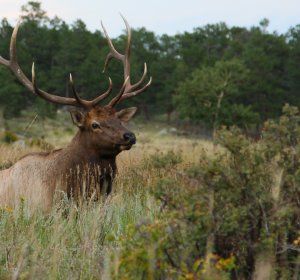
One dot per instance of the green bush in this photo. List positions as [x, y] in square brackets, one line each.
[228, 198]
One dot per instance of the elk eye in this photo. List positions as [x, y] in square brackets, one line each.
[95, 125]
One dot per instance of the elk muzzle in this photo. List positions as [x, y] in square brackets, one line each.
[129, 140]
[129, 137]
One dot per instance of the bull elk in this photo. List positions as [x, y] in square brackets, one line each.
[87, 166]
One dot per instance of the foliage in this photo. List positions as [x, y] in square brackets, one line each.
[257, 71]
[209, 94]
[32, 12]
[249, 221]
[283, 141]
[158, 222]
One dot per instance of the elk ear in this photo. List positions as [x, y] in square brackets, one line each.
[126, 114]
[77, 118]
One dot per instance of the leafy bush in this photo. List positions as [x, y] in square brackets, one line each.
[233, 199]
[174, 244]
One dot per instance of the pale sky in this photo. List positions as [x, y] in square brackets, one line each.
[162, 16]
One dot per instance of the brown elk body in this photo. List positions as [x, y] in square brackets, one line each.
[87, 166]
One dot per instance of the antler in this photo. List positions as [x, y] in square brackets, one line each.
[13, 65]
[128, 90]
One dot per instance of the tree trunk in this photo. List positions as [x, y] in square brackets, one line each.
[144, 111]
[169, 112]
[264, 268]
[265, 259]
[210, 242]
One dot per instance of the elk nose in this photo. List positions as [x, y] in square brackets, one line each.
[130, 137]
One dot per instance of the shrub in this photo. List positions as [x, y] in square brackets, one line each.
[240, 217]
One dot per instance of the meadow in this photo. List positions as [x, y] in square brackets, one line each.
[181, 208]
[84, 241]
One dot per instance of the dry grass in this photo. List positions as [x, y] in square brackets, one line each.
[76, 242]
[149, 141]
[189, 148]
[86, 241]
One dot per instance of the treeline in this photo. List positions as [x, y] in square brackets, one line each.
[215, 74]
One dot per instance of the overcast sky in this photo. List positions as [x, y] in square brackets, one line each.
[166, 16]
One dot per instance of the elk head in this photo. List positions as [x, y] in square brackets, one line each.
[102, 126]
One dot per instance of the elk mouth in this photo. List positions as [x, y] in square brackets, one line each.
[130, 140]
[124, 146]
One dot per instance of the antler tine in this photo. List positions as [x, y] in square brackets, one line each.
[129, 89]
[137, 92]
[117, 98]
[127, 52]
[13, 65]
[134, 86]
[79, 100]
[50, 97]
[103, 95]
[13, 62]
[94, 102]
[113, 52]
[12, 47]
[4, 61]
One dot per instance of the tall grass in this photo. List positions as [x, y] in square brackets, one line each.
[82, 241]
[72, 242]
[160, 221]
